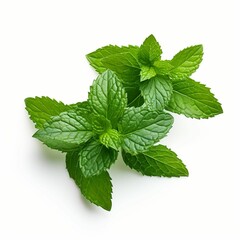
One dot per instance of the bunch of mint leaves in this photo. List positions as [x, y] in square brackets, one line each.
[126, 112]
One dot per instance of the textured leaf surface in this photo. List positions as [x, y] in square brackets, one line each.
[96, 58]
[156, 92]
[150, 51]
[66, 131]
[187, 61]
[97, 189]
[41, 109]
[94, 158]
[156, 161]
[193, 99]
[125, 65]
[100, 124]
[111, 138]
[141, 128]
[107, 97]
[147, 73]
[163, 67]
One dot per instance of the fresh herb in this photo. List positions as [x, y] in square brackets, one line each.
[161, 84]
[124, 112]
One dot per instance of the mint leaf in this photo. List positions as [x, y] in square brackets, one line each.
[41, 109]
[94, 158]
[150, 51]
[147, 73]
[156, 161]
[141, 128]
[66, 131]
[156, 92]
[193, 99]
[97, 189]
[100, 124]
[125, 65]
[187, 61]
[163, 67]
[81, 106]
[96, 58]
[107, 97]
[111, 138]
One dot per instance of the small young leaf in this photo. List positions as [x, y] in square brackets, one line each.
[107, 97]
[96, 58]
[100, 124]
[150, 51]
[193, 99]
[66, 131]
[156, 92]
[97, 189]
[141, 128]
[156, 161]
[95, 158]
[186, 61]
[147, 73]
[111, 138]
[41, 109]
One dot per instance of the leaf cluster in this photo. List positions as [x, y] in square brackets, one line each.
[126, 111]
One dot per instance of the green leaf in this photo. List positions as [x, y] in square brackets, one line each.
[156, 161]
[97, 189]
[100, 124]
[41, 109]
[111, 138]
[147, 73]
[150, 51]
[162, 67]
[141, 128]
[186, 61]
[94, 158]
[107, 97]
[193, 99]
[96, 58]
[156, 92]
[66, 131]
[81, 106]
[125, 65]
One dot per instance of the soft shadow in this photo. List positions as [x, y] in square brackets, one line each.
[51, 155]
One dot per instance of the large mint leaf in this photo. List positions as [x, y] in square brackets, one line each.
[141, 128]
[96, 58]
[157, 92]
[94, 158]
[193, 99]
[156, 161]
[41, 109]
[97, 189]
[66, 131]
[107, 97]
[186, 61]
[150, 51]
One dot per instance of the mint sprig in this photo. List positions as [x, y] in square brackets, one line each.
[93, 132]
[155, 80]
[126, 111]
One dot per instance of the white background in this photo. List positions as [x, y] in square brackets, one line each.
[42, 53]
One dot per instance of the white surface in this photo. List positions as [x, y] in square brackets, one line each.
[42, 52]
